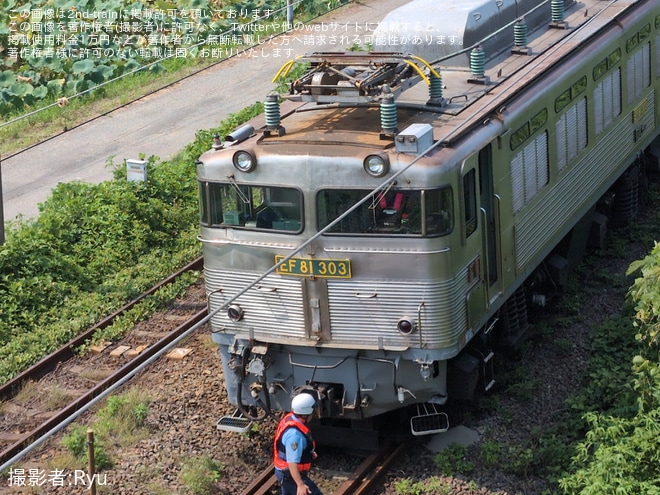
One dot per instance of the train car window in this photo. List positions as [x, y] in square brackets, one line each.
[528, 129]
[564, 99]
[438, 212]
[606, 64]
[638, 38]
[392, 212]
[632, 43]
[203, 201]
[607, 101]
[470, 202]
[251, 207]
[538, 121]
[613, 58]
[600, 69]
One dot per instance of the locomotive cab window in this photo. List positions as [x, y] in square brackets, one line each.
[389, 212]
[233, 205]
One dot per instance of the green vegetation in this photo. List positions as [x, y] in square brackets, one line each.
[430, 486]
[93, 247]
[120, 423]
[620, 451]
[454, 460]
[200, 474]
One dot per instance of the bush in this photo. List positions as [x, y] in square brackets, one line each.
[94, 247]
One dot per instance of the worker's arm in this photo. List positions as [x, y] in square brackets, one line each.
[301, 487]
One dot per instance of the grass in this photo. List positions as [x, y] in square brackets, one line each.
[200, 474]
[119, 424]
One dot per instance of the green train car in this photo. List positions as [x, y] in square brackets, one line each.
[378, 238]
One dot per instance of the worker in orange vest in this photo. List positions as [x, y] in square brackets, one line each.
[294, 448]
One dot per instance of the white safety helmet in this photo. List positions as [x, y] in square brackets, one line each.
[303, 404]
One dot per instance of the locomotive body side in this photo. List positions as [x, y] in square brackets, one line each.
[379, 288]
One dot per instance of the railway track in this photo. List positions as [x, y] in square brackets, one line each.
[28, 421]
[361, 482]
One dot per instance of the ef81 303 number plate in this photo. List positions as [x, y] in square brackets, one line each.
[313, 267]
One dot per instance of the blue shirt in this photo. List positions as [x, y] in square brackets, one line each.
[294, 442]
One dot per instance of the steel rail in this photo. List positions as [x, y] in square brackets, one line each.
[361, 482]
[50, 362]
[81, 402]
[263, 483]
[371, 471]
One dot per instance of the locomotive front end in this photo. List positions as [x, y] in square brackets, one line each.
[323, 277]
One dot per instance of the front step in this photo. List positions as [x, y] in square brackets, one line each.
[487, 367]
[429, 420]
[236, 423]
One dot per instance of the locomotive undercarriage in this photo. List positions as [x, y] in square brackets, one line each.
[350, 388]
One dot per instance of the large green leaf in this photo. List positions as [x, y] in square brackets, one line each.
[21, 89]
[6, 95]
[73, 86]
[84, 66]
[55, 86]
[49, 62]
[40, 92]
[101, 73]
[7, 78]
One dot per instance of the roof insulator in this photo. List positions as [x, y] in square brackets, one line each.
[520, 38]
[557, 12]
[388, 116]
[478, 66]
[272, 111]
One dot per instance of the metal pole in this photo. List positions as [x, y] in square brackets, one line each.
[2, 215]
[289, 13]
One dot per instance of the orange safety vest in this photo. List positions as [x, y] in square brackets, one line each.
[279, 456]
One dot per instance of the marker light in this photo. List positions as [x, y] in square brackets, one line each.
[376, 165]
[235, 312]
[244, 161]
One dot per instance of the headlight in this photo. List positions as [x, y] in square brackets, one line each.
[244, 161]
[376, 165]
[235, 312]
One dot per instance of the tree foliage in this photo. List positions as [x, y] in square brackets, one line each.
[621, 454]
